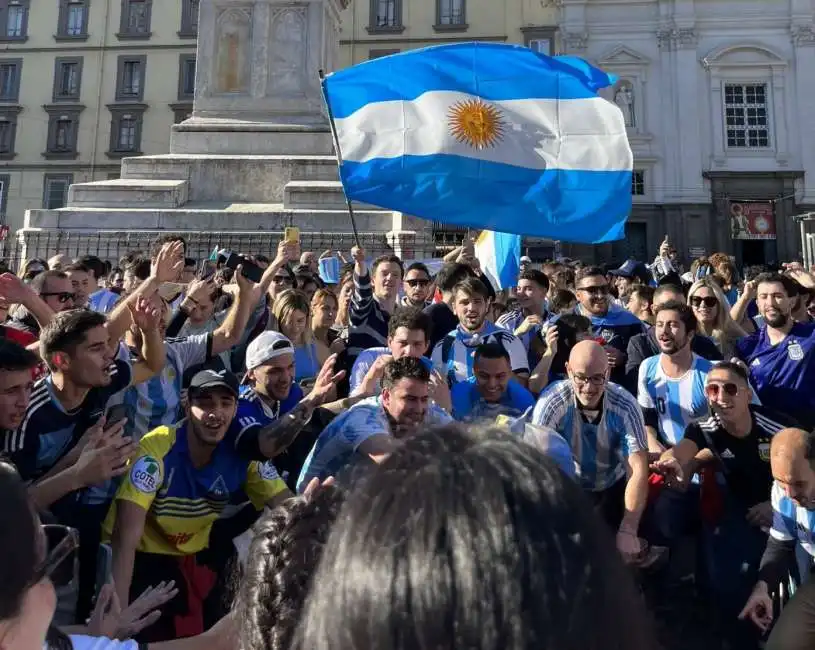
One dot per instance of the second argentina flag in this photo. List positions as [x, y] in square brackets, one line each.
[485, 135]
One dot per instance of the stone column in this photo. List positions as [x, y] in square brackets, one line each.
[256, 83]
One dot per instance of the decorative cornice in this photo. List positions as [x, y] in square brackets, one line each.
[575, 41]
[803, 35]
[677, 39]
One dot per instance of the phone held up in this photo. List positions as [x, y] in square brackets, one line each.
[250, 270]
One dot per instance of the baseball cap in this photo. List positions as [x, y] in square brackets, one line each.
[205, 380]
[630, 269]
[526, 258]
[265, 347]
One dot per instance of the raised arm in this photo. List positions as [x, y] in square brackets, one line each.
[153, 355]
[14, 291]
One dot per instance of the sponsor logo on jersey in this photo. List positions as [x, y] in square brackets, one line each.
[146, 475]
[268, 471]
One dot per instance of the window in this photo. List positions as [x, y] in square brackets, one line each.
[73, 19]
[540, 39]
[638, 183]
[8, 133]
[375, 54]
[746, 120]
[386, 16]
[186, 76]
[450, 14]
[67, 79]
[125, 130]
[14, 19]
[130, 79]
[55, 190]
[135, 21]
[5, 181]
[189, 18]
[63, 132]
[10, 70]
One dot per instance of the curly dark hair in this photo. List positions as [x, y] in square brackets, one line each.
[284, 554]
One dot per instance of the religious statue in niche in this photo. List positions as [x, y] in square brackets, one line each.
[624, 98]
[232, 66]
[288, 61]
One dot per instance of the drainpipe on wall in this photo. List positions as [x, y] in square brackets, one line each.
[99, 86]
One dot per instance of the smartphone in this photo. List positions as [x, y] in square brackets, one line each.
[115, 414]
[292, 234]
[250, 269]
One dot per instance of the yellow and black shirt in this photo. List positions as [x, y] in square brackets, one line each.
[183, 501]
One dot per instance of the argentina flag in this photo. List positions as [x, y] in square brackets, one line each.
[485, 135]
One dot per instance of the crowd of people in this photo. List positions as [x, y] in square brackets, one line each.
[269, 454]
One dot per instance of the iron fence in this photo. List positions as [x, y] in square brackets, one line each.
[113, 245]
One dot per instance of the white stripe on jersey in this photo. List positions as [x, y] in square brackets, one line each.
[39, 398]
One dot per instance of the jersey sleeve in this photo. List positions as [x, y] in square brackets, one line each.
[361, 367]
[460, 400]
[263, 483]
[121, 375]
[635, 438]
[644, 397]
[22, 447]
[517, 355]
[437, 357]
[141, 484]
[551, 408]
[784, 527]
[693, 432]
[193, 350]
[246, 428]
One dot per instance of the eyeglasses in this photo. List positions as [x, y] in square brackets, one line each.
[62, 296]
[707, 301]
[728, 388]
[595, 291]
[60, 556]
[594, 380]
[417, 283]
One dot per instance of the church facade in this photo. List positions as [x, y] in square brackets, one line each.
[718, 98]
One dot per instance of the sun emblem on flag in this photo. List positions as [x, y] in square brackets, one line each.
[476, 123]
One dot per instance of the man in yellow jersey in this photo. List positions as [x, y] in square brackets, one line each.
[162, 517]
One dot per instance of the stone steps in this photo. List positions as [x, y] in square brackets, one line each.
[318, 195]
[252, 179]
[208, 216]
[129, 193]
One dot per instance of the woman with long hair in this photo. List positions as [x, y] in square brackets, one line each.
[324, 308]
[477, 542]
[292, 314]
[728, 276]
[712, 311]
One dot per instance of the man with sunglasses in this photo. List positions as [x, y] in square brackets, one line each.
[781, 355]
[416, 286]
[615, 325]
[55, 290]
[604, 426]
[736, 436]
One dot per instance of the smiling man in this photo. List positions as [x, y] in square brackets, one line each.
[16, 382]
[181, 481]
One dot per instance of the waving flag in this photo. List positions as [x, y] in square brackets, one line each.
[488, 136]
[500, 258]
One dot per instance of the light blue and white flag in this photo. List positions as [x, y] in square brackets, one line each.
[488, 136]
[500, 257]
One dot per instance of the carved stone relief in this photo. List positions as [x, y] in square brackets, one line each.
[233, 34]
[288, 51]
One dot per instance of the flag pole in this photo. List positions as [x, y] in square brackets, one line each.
[339, 156]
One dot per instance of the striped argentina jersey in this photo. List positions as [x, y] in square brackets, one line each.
[512, 320]
[791, 521]
[454, 355]
[600, 450]
[157, 401]
[671, 404]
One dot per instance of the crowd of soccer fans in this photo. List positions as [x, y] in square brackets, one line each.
[273, 454]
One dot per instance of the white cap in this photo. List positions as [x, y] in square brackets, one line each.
[265, 347]
[526, 258]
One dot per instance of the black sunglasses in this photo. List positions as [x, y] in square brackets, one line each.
[62, 296]
[707, 301]
[417, 283]
[59, 564]
[595, 291]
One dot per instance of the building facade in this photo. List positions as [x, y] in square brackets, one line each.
[717, 95]
[84, 83]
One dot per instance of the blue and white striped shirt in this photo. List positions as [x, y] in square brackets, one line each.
[791, 521]
[454, 355]
[338, 443]
[601, 449]
[512, 320]
[103, 301]
[677, 401]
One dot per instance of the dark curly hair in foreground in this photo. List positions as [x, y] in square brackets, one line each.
[284, 554]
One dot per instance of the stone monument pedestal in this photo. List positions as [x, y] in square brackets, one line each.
[257, 152]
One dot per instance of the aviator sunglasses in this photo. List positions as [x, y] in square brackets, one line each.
[727, 388]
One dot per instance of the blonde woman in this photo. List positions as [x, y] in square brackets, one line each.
[293, 314]
[324, 308]
[712, 311]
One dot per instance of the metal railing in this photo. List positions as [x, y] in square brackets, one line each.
[113, 245]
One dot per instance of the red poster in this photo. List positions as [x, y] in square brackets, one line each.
[752, 220]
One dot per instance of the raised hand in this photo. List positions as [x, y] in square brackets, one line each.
[326, 381]
[13, 290]
[759, 607]
[144, 611]
[105, 456]
[440, 391]
[145, 315]
[169, 262]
